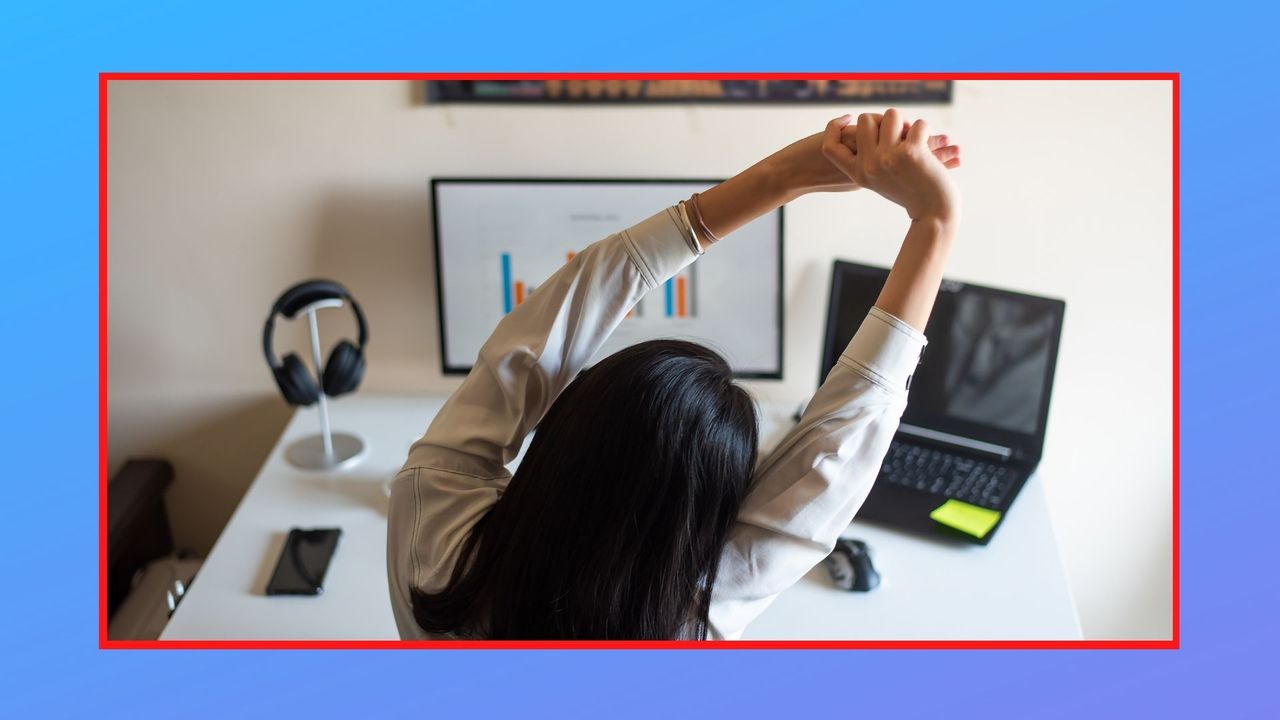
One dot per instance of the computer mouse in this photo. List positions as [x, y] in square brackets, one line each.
[849, 565]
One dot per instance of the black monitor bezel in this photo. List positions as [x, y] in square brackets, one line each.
[447, 369]
[1025, 446]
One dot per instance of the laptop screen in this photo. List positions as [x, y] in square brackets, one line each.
[988, 369]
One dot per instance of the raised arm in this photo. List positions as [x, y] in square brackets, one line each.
[806, 493]
[540, 346]
[906, 171]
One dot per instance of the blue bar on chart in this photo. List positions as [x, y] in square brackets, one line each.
[669, 290]
[506, 282]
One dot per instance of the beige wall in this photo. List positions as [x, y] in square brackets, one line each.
[223, 193]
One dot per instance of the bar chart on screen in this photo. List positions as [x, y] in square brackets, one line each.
[680, 298]
[502, 243]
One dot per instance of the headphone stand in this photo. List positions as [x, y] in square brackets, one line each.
[327, 450]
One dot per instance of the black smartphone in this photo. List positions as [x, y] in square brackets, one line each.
[304, 561]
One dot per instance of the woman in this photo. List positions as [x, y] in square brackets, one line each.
[639, 510]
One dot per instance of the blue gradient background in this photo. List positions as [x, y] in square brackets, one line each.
[49, 60]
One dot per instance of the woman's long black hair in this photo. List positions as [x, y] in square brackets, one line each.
[613, 525]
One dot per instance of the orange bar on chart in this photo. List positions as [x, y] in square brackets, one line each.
[519, 292]
[681, 294]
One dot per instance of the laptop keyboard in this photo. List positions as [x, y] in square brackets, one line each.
[951, 476]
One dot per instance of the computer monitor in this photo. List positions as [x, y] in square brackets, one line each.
[988, 370]
[497, 239]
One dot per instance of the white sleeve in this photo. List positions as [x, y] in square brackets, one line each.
[808, 490]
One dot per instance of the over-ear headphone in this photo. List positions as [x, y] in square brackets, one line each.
[341, 373]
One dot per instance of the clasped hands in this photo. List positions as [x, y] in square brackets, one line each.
[893, 157]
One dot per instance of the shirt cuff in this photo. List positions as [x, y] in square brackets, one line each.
[660, 246]
[886, 350]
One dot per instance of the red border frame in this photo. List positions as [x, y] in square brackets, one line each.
[103, 643]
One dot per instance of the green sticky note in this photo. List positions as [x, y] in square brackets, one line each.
[977, 521]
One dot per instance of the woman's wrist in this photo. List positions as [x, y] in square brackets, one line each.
[758, 190]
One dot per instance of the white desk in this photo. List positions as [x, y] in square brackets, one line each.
[1013, 589]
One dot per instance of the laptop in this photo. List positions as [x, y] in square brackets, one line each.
[974, 427]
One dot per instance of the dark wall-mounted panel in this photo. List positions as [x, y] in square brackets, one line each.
[686, 91]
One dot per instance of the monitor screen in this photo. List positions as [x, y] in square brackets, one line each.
[498, 239]
[987, 371]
